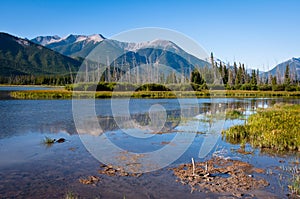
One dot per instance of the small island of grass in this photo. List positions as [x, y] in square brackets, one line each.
[274, 128]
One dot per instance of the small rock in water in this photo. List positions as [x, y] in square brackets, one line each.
[119, 171]
[90, 180]
[61, 140]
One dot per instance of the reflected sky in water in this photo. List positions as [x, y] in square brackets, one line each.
[25, 123]
[54, 116]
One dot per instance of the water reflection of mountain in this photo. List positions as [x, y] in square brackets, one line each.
[146, 121]
[53, 128]
[142, 121]
[109, 123]
[19, 117]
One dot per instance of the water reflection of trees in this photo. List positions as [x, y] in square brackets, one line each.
[143, 121]
[108, 123]
[251, 104]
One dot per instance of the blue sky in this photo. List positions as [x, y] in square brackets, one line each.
[259, 33]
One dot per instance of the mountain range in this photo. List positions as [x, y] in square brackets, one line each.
[162, 51]
[72, 45]
[22, 57]
[279, 70]
[56, 55]
[81, 46]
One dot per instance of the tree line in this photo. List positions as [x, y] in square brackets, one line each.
[217, 76]
[236, 77]
[51, 80]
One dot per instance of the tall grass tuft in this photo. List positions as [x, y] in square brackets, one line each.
[276, 128]
[71, 195]
[48, 141]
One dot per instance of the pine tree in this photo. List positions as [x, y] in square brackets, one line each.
[253, 78]
[225, 78]
[287, 79]
[221, 69]
[273, 80]
[257, 77]
[212, 60]
[214, 68]
[196, 77]
[230, 78]
[244, 74]
[238, 78]
[235, 69]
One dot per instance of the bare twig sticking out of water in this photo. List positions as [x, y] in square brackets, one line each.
[206, 168]
[193, 166]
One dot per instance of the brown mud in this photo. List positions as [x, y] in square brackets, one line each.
[219, 175]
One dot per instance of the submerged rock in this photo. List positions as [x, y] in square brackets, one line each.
[118, 171]
[93, 180]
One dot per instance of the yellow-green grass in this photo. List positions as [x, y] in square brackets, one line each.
[48, 141]
[233, 113]
[295, 185]
[64, 94]
[275, 128]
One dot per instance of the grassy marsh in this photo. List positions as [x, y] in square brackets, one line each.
[64, 94]
[275, 128]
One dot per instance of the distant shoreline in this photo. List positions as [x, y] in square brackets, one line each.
[64, 94]
[30, 85]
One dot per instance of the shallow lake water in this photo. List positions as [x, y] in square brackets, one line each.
[31, 169]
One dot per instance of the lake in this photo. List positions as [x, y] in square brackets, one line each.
[31, 169]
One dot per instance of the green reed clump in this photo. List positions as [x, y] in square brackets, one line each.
[276, 128]
[48, 140]
[71, 195]
[294, 179]
[233, 113]
[41, 94]
[295, 185]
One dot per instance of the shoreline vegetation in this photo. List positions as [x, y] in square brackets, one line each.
[31, 85]
[66, 94]
[275, 128]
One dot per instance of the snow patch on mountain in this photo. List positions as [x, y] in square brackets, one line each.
[54, 40]
[23, 42]
[69, 39]
[157, 43]
[44, 40]
[95, 38]
[80, 38]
